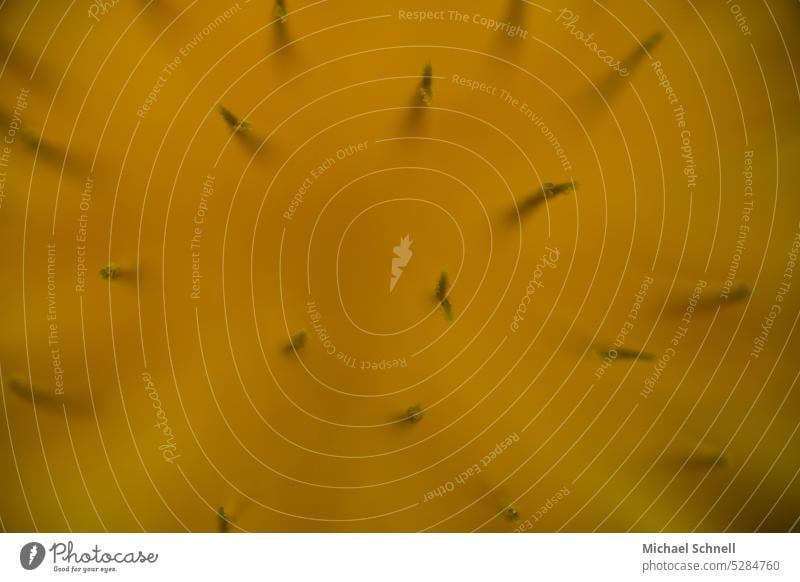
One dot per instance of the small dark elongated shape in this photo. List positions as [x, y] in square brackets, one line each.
[45, 149]
[31, 393]
[638, 53]
[652, 41]
[30, 139]
[426, 85]
[547, 191]
[19, 387]
[110, 272]
[738, 293]
[236, 124]
[297, 341]
[707, 456]
[624, 354]
[511, 514]
[721, 297]
[613, 84]
[281, 12]
[516, 11]
[223, 523]
[442, 290]
[414, 414]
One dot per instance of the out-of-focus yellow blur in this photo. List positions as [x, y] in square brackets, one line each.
[164, 396]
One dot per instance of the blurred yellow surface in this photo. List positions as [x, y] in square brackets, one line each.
[152, 398]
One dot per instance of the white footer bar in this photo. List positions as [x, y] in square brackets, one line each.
[400, 557]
